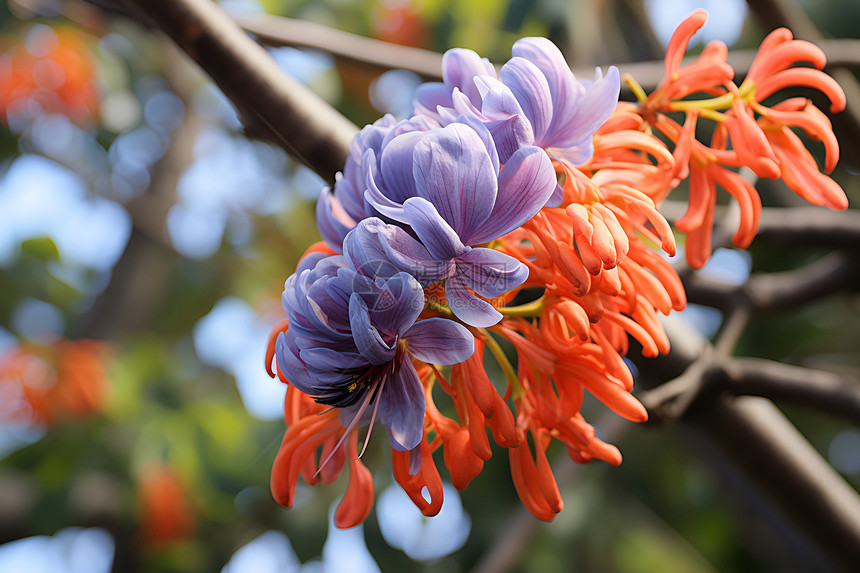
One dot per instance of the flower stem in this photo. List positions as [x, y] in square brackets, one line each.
[717, 103]
[529, 309]
[439, 307]
[503, 361]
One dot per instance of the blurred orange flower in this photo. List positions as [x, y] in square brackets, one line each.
[163, 508]
[51, 71]
[53, 383]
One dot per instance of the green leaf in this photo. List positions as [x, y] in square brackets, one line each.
[43, 248]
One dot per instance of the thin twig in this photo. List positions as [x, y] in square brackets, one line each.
[276, 31]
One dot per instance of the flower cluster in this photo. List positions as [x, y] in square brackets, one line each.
[517, 206]
[746, 132]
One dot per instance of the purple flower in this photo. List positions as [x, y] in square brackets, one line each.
[379, 249]
[459, 68]
[564, 112]
[445, 193]
[337, 212]
[350, 341]
[538, 100]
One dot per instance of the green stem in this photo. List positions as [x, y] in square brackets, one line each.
[529, 309]
[503, 361]
[439, 307]
[717, 103]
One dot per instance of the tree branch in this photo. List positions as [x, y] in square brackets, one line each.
[776, 461]
[824, 391]
[774, 291]
[271, 103]
[809, 226]
[279, 31]
[762, 447]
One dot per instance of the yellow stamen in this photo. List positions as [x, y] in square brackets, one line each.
[640, 94]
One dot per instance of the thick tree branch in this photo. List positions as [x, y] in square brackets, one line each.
[271, 103]
[763, 449]
[774, 291]
[768, 454]
[824, 391]
[809, 226]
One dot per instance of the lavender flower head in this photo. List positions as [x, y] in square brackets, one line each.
[350, 341]
[338, 211]
[446, 194]
[537, 100]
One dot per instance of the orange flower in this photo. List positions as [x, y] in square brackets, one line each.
[165, 512]
[746, 133]
[56, 383]
[55, 72]
[310, 426]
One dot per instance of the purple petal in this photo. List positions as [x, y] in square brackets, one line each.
[489, 272]
[467, 307]
[441, 241]
[290, 366]
[325, 365]
[453, 171]
[333, 222]
[395, 166]
[373, 196]
[348, 194]
[398, 305]
[506, 120]
[431, 95]
[480, 128]
[592, 110]
[381, 250]
[367, 339]
[439, 341]
[531, 89]
[526, 182]
[415, 460]
[411, 256]
[564, 88]
[463, 105]
[557, 196]
[401, 407]
[547, 57]
[460, 67]
[575, 155]
[368, 256]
